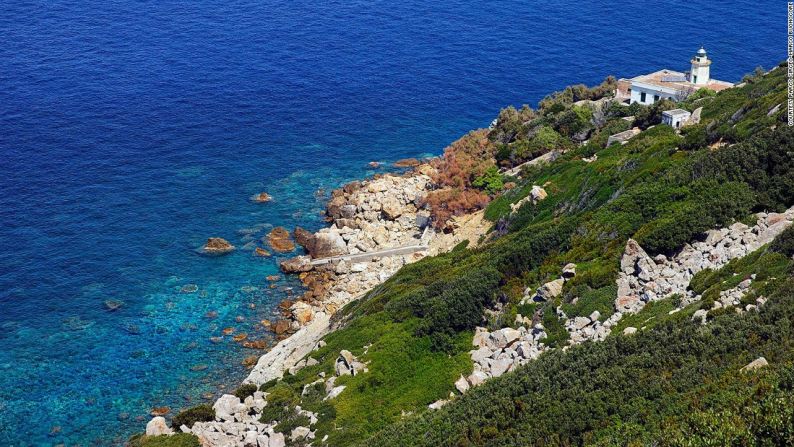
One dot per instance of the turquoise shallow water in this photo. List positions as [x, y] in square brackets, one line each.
[132, 131]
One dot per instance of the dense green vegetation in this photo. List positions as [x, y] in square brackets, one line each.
[673, 383]
[678, 384]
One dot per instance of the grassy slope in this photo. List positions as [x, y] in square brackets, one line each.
[417, 325]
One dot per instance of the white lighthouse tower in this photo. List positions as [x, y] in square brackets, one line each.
[699, 75]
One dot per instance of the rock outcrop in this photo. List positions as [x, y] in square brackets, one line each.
[217, 246]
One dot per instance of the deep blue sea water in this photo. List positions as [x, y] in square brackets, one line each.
[132, 131]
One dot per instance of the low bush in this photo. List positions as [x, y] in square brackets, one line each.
[245, 390]
[188, 417]
[784, 243]
[175, 440]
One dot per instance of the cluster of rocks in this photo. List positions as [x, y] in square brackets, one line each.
[643, 279]
[498, 352]
[582, 329]
[236, 424]
[731, 299]
[366, 217]
[503, 350]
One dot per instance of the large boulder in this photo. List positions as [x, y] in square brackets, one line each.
[302, 312]
[392, 209]
[758, 363]
[227, 406]
[569, 271]
[462, 384]
[334, 207]
[218, 246]
[304, 238]
[298, 264]
[157, 427]
[537, 194]
[345, 364]
[550, 290]
[328, 244]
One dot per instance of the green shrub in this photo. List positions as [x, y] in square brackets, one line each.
[491, 181]
[245, 390]
[188, 417]
[291, 421]
[764, 162]
[708, 205]
[280, 403]
[784, 243]
[267, 385]
[601, 300]
[175, 440]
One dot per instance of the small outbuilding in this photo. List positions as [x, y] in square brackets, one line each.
[675, 118]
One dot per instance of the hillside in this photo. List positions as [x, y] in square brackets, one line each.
[672, 379]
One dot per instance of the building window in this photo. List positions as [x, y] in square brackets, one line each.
[642, 97]
[694, 79]
[655, 98]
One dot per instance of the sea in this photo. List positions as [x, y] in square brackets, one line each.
[131, 131]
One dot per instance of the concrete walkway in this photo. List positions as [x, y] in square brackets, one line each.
[427, 234]
[361, 257]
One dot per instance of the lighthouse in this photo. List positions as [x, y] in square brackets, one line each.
[699, 74]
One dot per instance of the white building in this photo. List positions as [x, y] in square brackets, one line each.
[675, 118]
[669, 84]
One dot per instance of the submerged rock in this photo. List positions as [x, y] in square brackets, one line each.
[407, 163]
[160, 411]
[189, 288]
[281, 327]
[261, 252]
[112, 305]
[256, 344]
[77, 324]
[280, 241]
[218, 245]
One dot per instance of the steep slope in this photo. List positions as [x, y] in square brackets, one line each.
[405, 344]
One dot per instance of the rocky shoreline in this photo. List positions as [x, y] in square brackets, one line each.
[375, 227]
